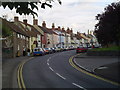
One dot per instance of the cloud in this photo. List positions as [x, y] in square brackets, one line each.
[76, 14]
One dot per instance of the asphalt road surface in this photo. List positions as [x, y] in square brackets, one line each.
[55, 71]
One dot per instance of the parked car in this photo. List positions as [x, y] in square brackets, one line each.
[48, 50]
[38, 51]
[81, 49]
[53, 50]
[56, 49]
[60, 49]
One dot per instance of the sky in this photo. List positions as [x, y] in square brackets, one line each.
[76, 14]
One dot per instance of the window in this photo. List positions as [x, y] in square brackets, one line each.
[21, 36]
[18, 36]
[26, 38]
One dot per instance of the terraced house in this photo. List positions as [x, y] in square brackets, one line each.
[15, 39]
[20, 36]
[30, 30]
[49, 36]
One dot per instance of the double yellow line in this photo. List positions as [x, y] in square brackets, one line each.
[88, 73]
[20, 79]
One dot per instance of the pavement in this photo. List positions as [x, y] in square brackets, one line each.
[9, 69]
[104, 66]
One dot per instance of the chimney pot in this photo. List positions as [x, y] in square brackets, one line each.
[53, 26]
[16, 19]
[25, 21]
[59, 28]
[44, 24]
[35, 21]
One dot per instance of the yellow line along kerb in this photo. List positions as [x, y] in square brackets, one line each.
[20, 79]
[90, 74]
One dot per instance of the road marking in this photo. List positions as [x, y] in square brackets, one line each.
[48, 60]
[20, 79]
[51, 68]
[90, 74]
[79, 86]
[60, 76]
[48, 64]
[102, 67]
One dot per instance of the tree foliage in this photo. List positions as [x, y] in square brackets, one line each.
[23, 7]
[108, 28]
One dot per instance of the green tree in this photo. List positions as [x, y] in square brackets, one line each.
[23, 7]
[108, 27]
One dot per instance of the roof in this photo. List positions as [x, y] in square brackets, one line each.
[43, 29]
[39, 29]
[14, 27]
[47, 30]
[29, 29]
[50, 30]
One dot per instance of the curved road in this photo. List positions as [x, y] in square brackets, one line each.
[55, 71]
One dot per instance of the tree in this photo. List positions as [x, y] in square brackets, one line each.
[108, 28]
[23, 7]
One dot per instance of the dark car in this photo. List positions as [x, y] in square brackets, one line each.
[81, 49]
[53, 50]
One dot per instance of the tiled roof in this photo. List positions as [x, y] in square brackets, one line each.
[29, 29]
[13, 27]
[39, 29]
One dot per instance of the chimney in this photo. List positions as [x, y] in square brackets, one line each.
[68, 30]
[71, 30]
[44, 24]
[63, 29]
[16, 19]
[91, 32]
[88, 31]
[59, 28]
[25, 21]
[35, 21]
[53, 26]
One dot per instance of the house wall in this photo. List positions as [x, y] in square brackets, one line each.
[49, 41]
[69, 41]
[39, 40]
[44, 40]
[32, 44]
[20, 43]
[55, 40]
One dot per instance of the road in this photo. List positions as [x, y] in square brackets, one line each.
[55, 71]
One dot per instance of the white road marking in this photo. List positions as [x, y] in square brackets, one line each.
[48, 64]
[60, 76]
[51, 69]
[79, 86]
[48, 60]
[102, 67]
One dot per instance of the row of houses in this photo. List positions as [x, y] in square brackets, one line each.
[19, 35]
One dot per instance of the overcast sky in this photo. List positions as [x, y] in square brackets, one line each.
[76, 14]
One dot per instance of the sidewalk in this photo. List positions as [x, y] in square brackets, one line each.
[105, 66]
[9, 67]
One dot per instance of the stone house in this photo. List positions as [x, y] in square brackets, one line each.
[40, 34]
[30, 30]
[14, 43]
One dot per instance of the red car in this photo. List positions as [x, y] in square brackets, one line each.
[81, 49]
